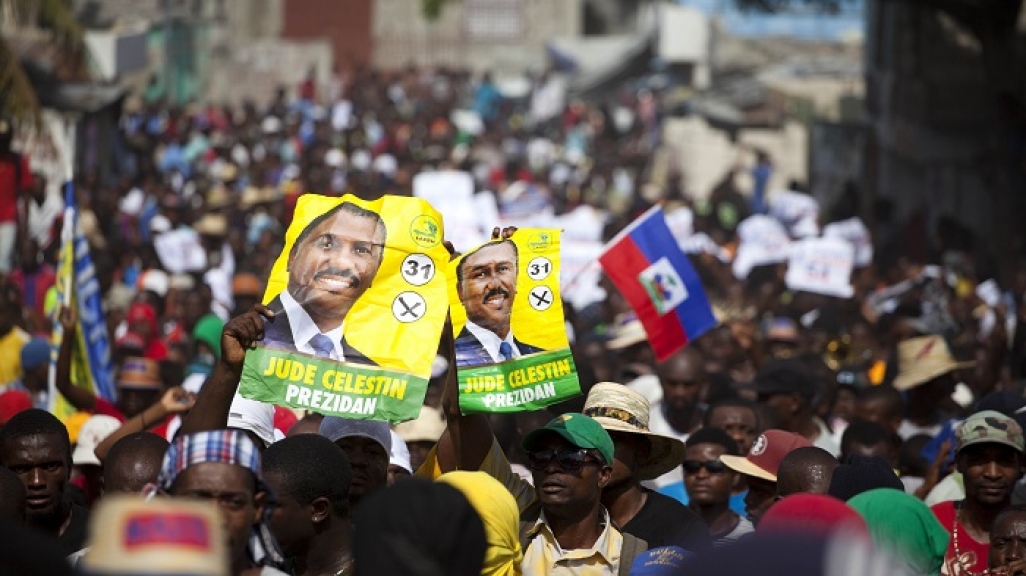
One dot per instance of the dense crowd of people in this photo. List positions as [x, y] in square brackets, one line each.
[879, 433]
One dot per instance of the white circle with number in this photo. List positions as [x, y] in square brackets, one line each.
[540, 298]
[539, 268]
[409, 307]
[418, 269]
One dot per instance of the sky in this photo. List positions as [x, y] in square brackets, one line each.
[806, 26]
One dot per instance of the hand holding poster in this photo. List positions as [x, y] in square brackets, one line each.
[512, 353]
[359, 301]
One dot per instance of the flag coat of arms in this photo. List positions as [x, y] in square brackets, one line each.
[657, 279]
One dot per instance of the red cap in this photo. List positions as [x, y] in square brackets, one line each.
[13, 402]
[769, 449]
[814, 514]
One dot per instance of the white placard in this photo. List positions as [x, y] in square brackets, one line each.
[579, 273]
[821, 266]
[798, 212]
[451, 192]
[180, 251]
[855, 232]
[763, 240]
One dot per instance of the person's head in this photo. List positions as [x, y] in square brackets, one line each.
[139, 385]
[222, 466]
[334, 260]
[308, 424]
[738, 418]
[571, 461]
[760, 467]
[904, 526]
[1008, 537]
[707, 480]
[787, 389]
[142, 321]
[12, 497]
[35, 362]
[399, 467]
[682, 377]
[310, 476]
[638, 453]
[486, 281]
[813, 515]
[861, 474]
[419, 527]
[35, 446]
[133, 463]
[367, 444]
[500, 515]
[881, 405]
[864, 438]
[989, 454]
[806, 470]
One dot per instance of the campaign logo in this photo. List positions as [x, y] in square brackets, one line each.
[539, 242]
[425, 231]
[663, 285]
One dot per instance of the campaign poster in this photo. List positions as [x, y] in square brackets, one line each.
[512, 352]
[360, 297]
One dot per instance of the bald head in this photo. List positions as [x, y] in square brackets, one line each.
[682, 377]
[806, 470]
[133, 462]
[12, 497]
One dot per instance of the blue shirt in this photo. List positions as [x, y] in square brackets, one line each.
[678, 493]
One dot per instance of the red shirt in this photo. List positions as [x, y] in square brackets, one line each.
[9, 187]
[973, 553]
[34, 286]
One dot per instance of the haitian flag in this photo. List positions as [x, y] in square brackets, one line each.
[656, 277]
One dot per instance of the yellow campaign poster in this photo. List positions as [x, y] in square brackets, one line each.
[360, 298]
[512, 352]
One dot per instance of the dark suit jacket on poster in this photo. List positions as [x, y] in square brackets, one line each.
[278, 334]
[471, 352]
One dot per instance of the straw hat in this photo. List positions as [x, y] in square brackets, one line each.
[626, 331]
[218, 197]
[923, 359]
[214, 225]
[428, 426]
[620, 409]
[161, 537]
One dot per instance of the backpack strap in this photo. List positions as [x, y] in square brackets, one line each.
[632, 547]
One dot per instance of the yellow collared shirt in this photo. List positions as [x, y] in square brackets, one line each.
[545, 557]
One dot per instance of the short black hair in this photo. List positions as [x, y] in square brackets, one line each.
[716, 436]
[31, 423]
[733, 402]
[310, 466]
[889, 394]
[865, 433]
[463, 259]
[806, 469]
[349, 208]
[124, 455]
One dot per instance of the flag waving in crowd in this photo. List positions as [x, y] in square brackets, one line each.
[78, 288]
[656, 277]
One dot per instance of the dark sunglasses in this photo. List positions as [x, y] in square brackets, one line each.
[713, 466]
[568, 458]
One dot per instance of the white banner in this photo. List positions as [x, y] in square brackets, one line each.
[821, 266]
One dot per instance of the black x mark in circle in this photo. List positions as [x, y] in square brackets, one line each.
[540, 296]
[409, 310]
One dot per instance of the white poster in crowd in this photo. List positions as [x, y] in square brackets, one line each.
[763, 240]
[798, 212]
[856, 233]
[180, 251]
[580, 273]
[584, 224]
[681, 223]
[821, 266]
[451, 192]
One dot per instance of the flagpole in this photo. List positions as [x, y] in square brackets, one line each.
[630, 227]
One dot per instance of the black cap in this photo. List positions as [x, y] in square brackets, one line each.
[862, 474]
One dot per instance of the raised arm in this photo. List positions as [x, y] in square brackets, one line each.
[78, 397]
[175, 401]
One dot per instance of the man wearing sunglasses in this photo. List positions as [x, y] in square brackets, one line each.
[709, 484]
[570, 460]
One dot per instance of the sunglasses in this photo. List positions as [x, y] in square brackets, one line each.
[712, 466]
[568, 458]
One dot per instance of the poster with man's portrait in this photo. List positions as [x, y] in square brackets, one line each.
[512, 352]
[358, 289]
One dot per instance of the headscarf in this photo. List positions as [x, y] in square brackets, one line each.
[501, 518]
[812, 514]
[418, 528]
[905, 526]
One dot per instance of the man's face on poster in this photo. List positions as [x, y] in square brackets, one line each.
[489, 286]
[333, 265]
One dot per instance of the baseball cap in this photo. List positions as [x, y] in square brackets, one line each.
[163, 536]
[580, 430]
[335, 428]
[769, 449]
[989, 427]
[13, 402]
[785, 377]
[95, 430]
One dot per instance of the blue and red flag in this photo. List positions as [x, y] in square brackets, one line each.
[655, 276]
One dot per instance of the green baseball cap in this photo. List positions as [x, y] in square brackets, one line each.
[577, 429]
[989, 427]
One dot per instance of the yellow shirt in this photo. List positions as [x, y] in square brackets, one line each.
[10, 355]
[544, 556]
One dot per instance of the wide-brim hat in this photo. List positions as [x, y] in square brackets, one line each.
[923, 359]
[626, 332]
[619, 409]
